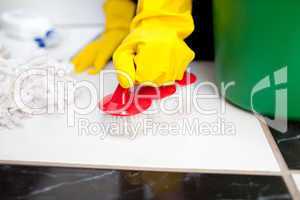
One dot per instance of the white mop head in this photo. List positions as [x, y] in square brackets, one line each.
[4, 52]
[34, 89]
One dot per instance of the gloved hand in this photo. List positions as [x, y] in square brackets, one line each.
[155, 52]
[93, 57]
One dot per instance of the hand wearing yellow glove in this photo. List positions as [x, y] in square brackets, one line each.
[155, 52]
[119, 14]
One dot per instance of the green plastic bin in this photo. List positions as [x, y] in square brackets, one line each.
[258, 48]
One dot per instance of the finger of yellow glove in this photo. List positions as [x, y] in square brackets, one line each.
[124, 64]
[84, 58]
[184, 57]
[98, 65]
[107, 44]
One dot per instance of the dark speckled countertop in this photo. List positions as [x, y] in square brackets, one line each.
[49, 183]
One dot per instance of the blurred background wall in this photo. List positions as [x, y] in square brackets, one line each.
[61, 12]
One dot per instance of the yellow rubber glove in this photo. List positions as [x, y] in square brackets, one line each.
[119, 14]
[155, 52]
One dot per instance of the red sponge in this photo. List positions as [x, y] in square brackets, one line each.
[157, 93]
[188, 79]
[124, 103]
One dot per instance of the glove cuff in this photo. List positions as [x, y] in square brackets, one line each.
[175, 15]
[182, 24]
[119, 13]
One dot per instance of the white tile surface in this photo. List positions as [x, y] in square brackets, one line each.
[50, 140]
[297, 180]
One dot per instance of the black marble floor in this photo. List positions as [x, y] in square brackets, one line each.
[49, 183]
[289, 144]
